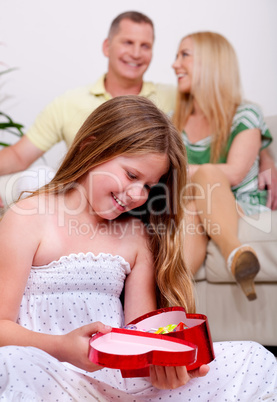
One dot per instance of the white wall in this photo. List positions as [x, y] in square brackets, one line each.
[56, 45]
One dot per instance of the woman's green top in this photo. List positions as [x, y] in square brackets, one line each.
[248, 116]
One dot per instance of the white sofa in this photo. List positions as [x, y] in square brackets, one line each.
[231, 316]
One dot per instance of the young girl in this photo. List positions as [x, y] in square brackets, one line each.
[67, 251]
[223, 137]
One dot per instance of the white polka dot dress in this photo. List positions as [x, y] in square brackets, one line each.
[83, 288]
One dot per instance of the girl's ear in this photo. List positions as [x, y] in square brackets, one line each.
[106, 47]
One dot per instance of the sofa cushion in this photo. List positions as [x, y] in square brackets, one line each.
[231, 315]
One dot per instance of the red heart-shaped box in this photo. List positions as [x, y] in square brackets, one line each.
[133, 351]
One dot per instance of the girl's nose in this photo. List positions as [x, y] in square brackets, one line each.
[137, 192]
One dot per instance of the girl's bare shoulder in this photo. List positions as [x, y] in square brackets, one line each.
[30, 210]
[135, 236]
[22, 227]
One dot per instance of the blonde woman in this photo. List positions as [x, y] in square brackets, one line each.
[223, 136]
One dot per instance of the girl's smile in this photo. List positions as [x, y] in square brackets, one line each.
[123, 183]
[119, 204]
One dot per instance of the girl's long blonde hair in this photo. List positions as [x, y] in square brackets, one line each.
[132, 125]
[216, 88]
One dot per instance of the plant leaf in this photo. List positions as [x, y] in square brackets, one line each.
[8, 70]
[11, 124]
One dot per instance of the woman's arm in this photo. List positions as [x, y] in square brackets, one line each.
[242, 154]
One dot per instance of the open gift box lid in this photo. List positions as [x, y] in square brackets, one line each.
[133, 351]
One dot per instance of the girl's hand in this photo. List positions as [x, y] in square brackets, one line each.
[74, 346]
[163, 377]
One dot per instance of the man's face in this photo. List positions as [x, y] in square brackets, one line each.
[130, 50]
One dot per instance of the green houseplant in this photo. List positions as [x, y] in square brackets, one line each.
[6, 122]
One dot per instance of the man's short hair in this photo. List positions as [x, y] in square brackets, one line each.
[134, 16]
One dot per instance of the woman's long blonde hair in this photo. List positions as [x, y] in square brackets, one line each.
[132, 125]
[216, 88]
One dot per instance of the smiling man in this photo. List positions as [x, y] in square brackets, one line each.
[129, 52]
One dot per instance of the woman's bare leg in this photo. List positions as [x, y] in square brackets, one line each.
[216, 206]
[196, 239]
[217, 210]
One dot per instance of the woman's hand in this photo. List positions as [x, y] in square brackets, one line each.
[268, 178]
[163, 377]
[74, 346]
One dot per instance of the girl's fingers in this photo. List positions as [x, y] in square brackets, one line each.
[168, 377]
[158, 377]
[177, 376]
[97, 326]
[200, 372]
[163, 377]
